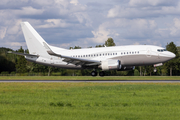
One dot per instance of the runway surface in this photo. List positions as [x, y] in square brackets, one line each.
[97, 81]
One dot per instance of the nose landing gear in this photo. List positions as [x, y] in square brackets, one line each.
[155, 70]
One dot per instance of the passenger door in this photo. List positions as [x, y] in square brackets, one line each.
[148, 52]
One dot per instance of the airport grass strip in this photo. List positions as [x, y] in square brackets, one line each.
[89, 101]
[89, 78]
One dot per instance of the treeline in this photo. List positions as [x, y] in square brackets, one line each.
[11, 64]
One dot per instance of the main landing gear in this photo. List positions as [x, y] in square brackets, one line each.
[94, 73]
[102, 74]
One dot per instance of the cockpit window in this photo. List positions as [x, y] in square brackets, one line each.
[161, 50]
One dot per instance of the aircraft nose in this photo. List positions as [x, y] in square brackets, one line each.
[172, 55]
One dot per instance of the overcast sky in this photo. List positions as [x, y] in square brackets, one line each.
[85, 23]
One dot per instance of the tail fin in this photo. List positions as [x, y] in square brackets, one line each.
[34, 41]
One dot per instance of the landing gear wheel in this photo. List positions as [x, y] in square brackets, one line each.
[94, 73]
[155, 70]
[101, 73]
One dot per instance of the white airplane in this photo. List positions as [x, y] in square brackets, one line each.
[105, 58]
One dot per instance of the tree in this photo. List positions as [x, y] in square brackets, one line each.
[109, 42]
[164, 70]
[99, 46]
[172, 64]
[150, 69]
[77, 47]
[7, 61]
[21, 63]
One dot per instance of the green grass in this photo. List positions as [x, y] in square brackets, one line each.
[89, 78]
[89, 101]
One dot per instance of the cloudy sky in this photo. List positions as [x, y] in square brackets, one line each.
[85, 23]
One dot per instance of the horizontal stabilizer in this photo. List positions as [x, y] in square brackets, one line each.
[23, 54]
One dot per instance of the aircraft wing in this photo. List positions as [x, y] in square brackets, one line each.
[72, 60]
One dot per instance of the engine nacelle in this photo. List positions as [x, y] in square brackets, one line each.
[126, 68]
[110, 65]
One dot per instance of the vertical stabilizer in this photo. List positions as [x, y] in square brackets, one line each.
[34, 41]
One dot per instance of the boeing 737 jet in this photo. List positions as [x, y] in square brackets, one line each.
[105, 58]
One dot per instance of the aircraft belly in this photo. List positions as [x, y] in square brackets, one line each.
[132, 60]
[55, 63]
[60, 65]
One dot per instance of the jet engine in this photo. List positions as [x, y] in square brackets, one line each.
[110, 65]
[126, 68]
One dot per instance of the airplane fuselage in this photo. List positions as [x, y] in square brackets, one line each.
[132, 55]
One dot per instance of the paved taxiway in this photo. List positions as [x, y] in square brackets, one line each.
[98, 81]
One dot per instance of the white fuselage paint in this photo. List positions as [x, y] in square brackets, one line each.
[132, 55]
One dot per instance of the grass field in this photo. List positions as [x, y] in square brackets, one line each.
[89, 101]
[89, 78]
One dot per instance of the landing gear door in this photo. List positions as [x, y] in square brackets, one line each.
[148, 52]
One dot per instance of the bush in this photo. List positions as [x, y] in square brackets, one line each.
[60, 104]
[5, 72]
[136, 72]
[13, 72]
